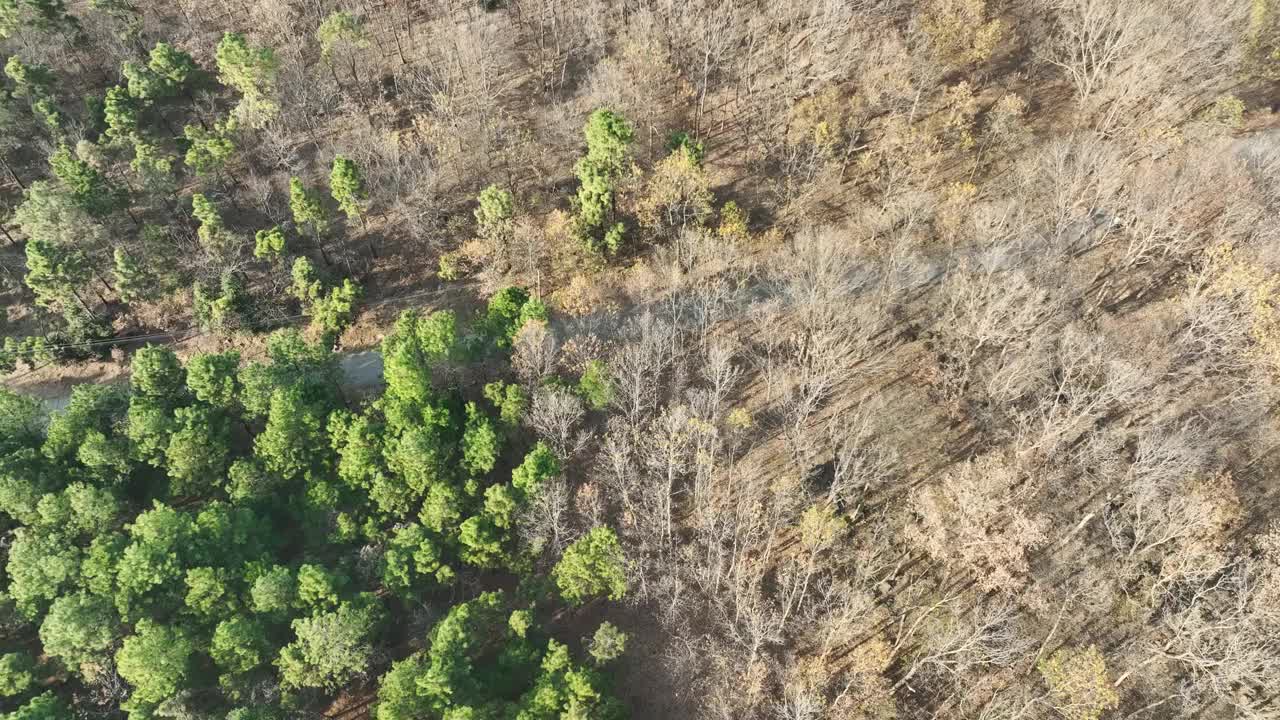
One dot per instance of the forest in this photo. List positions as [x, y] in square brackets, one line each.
[651, 359]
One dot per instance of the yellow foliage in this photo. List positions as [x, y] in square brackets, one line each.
[819, 526]
[960, 31]
[954, 210]
[1257, 289]
[818, 120]
[678, 193]
[733, 222]
[1079, 684]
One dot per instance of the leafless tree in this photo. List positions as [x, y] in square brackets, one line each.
[555, 415]
[979, 518]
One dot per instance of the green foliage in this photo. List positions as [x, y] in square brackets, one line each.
[252, 72]
[142, 83]
[614, 238]
[733, 222]
[451, 267]
[239, 644]
[133, 283]
[509, 399]
[176, 70]
[480, 442]
[33, 351]
[608, 139]
[213, 378]
[537, 467]
[595, 386]
[41, 565]
[32, 81]
[294, 364]
[684, 142]
[330, 648]
[223, 312]
[508, 310]
[198, 451]
[398, 695]
[93, 409]
[157, 372]
[22, 421]
[483, 662]
[269, 244]
[1079, 686]
[319, 588]
[495, 213]
[340, 28]
[208, 151]
[346, 184]
[607, 644]
[295, 427]
[306, 282]
[43, 15]
[209, 592]
[151, 571]
[80, 510]
[45, 706]
[308, 211]
[261, 588]
[88, 187]
[121, 111]
[411, 559]
[16, 673]
[156, 660]
[58, 231]
[331, 312]
[275, 591]
[79, 629]
[212, 233]
[592, 566]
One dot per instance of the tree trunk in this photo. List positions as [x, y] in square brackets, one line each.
[12, 174]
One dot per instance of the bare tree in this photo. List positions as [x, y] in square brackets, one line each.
[556, 414]
[979, 518]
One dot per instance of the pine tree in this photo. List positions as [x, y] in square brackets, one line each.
[608, 139]
[251, 71]
[307, 209]
[209, 151]
[269, 244]
[346, 184]
[342, 30]
[176, 69]
[211, 232]
[121, 111]
[89, 187]
[132, 282]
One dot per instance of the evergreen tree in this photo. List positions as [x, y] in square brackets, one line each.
[346, 184]
[174, 68]
[252, 72]
[608, 139]
[592, 566]
[269, 244]
[307, 209]
[132, 283]
[157, 660]
[121, 111]
[214, 378]
[89, 188]
[58, 232]
[341, 32]
[209, 151]
[212, 233]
